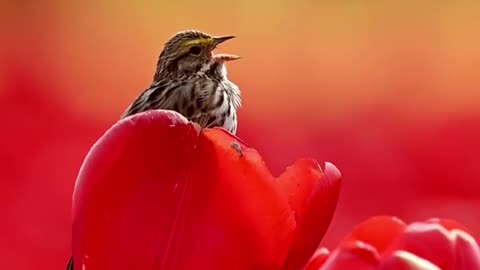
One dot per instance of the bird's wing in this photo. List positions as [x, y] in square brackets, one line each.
[190, 97]
[160, 95]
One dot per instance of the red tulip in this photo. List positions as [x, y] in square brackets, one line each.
[156, 192]
[386, 243]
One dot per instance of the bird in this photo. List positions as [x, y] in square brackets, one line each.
[191, 80]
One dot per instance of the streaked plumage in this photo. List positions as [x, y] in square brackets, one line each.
[195, 85]
[193, 81]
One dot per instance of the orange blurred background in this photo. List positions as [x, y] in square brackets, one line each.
[388, 92]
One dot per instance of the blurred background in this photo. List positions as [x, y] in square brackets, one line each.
[388, 92]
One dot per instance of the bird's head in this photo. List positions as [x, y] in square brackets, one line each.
[190, 52]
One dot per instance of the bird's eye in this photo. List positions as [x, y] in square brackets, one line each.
[195, 50]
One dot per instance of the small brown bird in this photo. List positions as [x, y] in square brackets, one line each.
[193, 81]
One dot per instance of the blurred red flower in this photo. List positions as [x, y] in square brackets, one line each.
[156, 192]
[386, 243]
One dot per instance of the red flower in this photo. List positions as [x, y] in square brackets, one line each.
[155, 192]
[387, 243]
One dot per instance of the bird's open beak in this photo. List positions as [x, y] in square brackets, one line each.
[218, 40]
[222, 57]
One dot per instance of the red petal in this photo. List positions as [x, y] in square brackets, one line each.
[428, 241]
[402, 260]
[446, 249]
[379, 231]
[153, 194]
[246, 203]
[129, 190]
[298, 190]
[318, 258]
[352, 255]
[315, 217]
[467, 251]
[448, 224]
